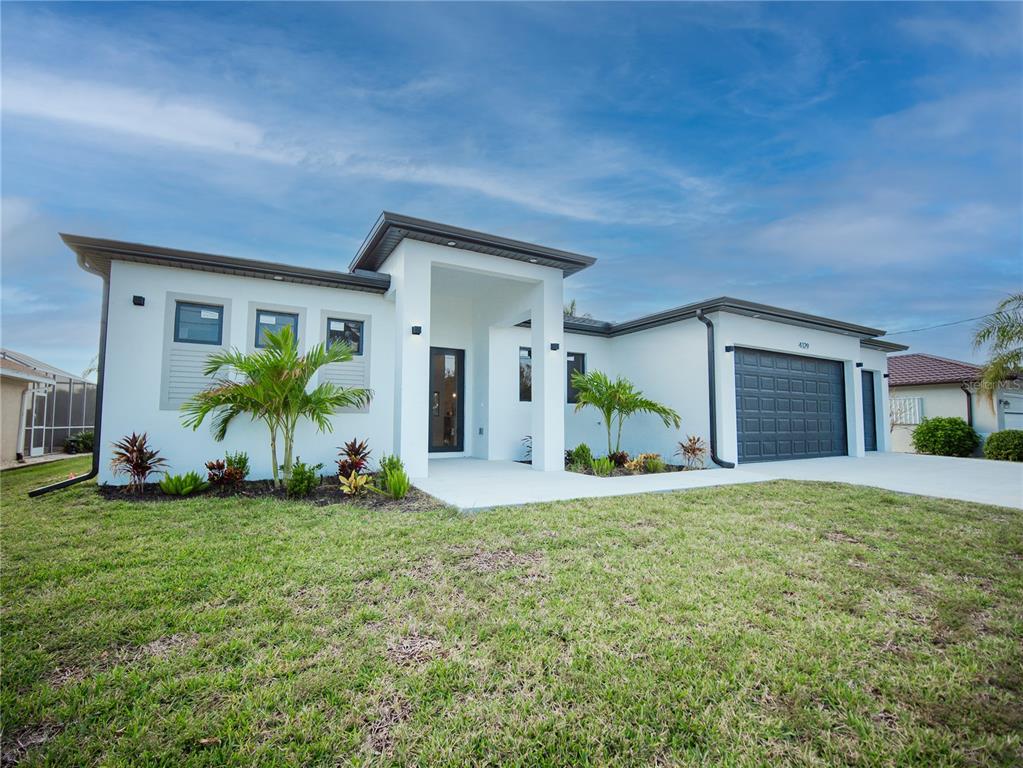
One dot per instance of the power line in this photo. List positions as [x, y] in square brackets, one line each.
[941, 325]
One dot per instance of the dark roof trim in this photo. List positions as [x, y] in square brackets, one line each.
[592, 327]
[883, 346]
[97, 253]
[741, 307]
[391, 228]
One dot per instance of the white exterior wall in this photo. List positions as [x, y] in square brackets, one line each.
[945, 400]
[668, 363]
[135, 360]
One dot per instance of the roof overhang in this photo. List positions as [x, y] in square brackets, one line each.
[11, 373]
[883, 346]
[391, 228]
[95, 254]
[866, 334]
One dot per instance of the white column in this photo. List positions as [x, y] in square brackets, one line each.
[412, 364]
[883, 408]
[854, 408]
[548, 407]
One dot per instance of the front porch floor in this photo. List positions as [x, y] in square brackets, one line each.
[477, 483]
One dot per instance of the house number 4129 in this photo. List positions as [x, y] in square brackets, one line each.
[804, 345]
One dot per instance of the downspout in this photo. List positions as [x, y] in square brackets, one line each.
[969, 404]
[713, 393]
[98, 415]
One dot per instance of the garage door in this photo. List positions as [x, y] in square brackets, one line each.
[788, 406]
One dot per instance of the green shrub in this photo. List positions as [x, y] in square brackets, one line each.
[80, 443]
[394, 480]
[580, 468]
[239, 463]
[1006, 445]
[390, 463]
[654, 464]
[304, 477]
[602, 467]
[945, 436]
[581, 454]
[183, 485]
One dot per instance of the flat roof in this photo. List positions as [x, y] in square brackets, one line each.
[391, 228]
[97, 253]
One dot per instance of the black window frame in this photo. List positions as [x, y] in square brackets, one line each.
[572, 394]
[362, 332]
[200, 306]
[276, 313]
[529, 383]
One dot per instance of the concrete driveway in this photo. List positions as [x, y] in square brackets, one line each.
[474, 483]
[987, 482]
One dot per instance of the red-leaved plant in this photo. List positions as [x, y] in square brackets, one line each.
[224, 476]
[354, 457]
[133, 457]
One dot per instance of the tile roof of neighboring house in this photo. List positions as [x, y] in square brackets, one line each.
[917, 368]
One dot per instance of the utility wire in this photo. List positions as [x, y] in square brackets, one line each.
[941, 325]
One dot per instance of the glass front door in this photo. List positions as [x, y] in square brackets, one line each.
[447, 391]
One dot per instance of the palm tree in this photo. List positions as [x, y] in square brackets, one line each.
[1003, 330]
[617, 400]
[272, 386]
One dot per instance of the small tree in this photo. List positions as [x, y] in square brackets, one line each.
[1003, 331]
[272, 386]
[617, 401]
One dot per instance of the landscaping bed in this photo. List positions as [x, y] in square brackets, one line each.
[326, 493]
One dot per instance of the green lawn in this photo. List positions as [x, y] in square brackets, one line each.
[788, 623]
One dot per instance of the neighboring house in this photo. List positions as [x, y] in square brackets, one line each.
[40, 406]
[461, 336]
[924, 386]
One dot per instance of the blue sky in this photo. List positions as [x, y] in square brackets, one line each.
[861, 161]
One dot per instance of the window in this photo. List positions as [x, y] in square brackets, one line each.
[525, 374]
[198, 323]
[274, 322]
[348, 331]
[576, 362]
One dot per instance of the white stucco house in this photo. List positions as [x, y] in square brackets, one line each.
[924, 386]
[462, 338]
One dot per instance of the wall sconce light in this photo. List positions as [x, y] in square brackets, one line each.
[138, 301]
[555, 346]
[886, 375]
[859, 365]
[729, 348]
[417, 330]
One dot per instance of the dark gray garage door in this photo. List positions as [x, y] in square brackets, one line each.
[788, 406]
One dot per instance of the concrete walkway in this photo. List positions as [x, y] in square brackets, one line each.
[475, 483]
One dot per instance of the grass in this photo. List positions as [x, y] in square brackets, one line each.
[787, 623]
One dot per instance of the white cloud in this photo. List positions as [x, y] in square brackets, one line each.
[1000, 32]
[143, 114]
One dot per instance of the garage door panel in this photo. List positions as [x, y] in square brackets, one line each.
[808, 418]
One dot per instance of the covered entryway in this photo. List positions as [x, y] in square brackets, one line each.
[788, 406]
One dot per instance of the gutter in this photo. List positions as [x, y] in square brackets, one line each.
[98, 416]
[969, 404]
[713, 393]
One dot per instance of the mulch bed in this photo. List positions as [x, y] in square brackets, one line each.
[327, 493]
[622, 472]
